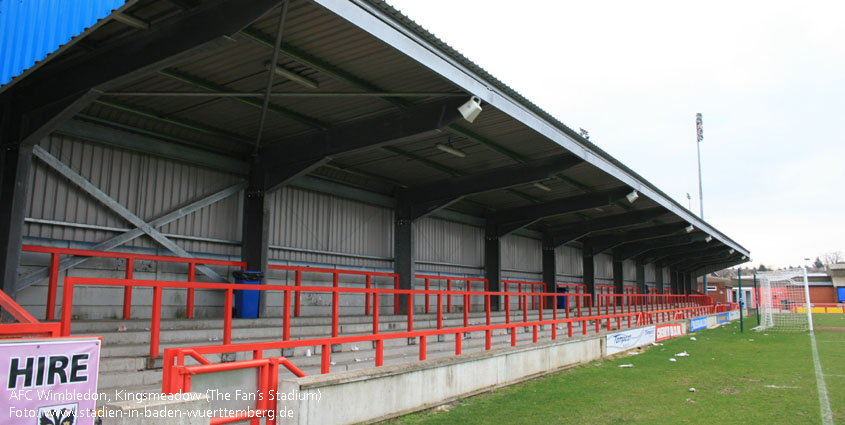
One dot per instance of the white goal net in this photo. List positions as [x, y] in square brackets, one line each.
[783, 301]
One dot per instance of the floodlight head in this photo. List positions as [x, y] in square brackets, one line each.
[708, 238]
[632, 197]
[689, 228]
[731, 251]
[470, 109]
[744, 257]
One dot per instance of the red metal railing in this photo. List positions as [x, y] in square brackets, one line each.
[521, 285]
[178, 380]
[336, 274]
[468, 281]
[176, 375]
[27, 324]
[648, 302]
[55, 254]
[159, 286]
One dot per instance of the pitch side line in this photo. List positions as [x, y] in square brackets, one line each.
[824, 399]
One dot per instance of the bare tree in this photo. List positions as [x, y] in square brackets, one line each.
[834, 257]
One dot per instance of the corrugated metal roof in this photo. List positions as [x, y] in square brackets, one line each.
[31, 30]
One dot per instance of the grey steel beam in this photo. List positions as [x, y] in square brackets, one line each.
[675, 260]
[115, 206]
[318, 64]
[271, 72]
[135, 142]
[123, 238]
[69, 86]
[605, 242]
[427, 198]
[627, 251]
[579, 230]
[414, 123]
[16, 161]
[714, 267]
[206, 94]
[692, 263]
[664, 254]
[507, 221]
[191, 125]
[213, 87]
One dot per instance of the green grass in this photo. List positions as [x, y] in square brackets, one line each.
[769, 380]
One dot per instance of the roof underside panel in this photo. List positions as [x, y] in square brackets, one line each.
[33, 29]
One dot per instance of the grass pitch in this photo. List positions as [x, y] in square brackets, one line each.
[739, 378]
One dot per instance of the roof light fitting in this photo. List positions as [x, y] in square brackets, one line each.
[689, 228]
[731, 251]
[541, 186]
[470, 109]
[632, 197]
[451, 150]
[744, 257]
[293, 76]
[708, 238]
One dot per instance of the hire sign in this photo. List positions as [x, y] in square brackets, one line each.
[49, 381]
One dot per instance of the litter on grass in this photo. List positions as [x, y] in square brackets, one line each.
[692, 338]
[682, 354]
[692, 390]
[626, 365]
[673, 359]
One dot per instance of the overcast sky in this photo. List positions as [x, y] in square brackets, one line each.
[768, 77]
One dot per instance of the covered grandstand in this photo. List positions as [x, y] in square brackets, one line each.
[322, 143]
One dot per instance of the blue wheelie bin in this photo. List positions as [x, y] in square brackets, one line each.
[563, 300]
[246, 301]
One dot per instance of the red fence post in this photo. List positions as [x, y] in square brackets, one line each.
[439, 311]
[155, 326]
[410, 312]
[335, 302]
[296, 301]
[67, 306]
[286, 316]
[192, 277]
[426, 295]
[127, 290]
[227, 317]
[449, 296]
[375, 313]
[325, 358]
[53, 287]
[396, 294]
[367, 296]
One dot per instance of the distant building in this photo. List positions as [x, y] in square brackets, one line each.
[827, 286]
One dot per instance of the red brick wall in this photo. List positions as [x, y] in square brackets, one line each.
[822, 294]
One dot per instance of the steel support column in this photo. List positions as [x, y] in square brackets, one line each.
[255, 243]
[687, 283]
[658, 279]
[618, 276]
[673, 281]
[403, 252]
[641, 277]
[14, 182]
[493, 263]
[588, 265]
[549, 266]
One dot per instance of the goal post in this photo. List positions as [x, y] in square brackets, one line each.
[784, 301]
